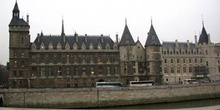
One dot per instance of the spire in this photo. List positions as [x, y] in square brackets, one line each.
[16, 11]
[203, 38]
[152, 38]
[62, 33]
[126, 36]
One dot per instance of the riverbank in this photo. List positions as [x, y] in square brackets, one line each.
[102, 97]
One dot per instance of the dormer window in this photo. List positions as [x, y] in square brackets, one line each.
[107, 46]
[75, 47]
[83, 46]
[58, 46]
[50, 46]
[33, 47]
[91, 46]
[42, 46]
[99, 46]
[67, 46]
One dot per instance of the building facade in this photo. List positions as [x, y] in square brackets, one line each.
[71, 61]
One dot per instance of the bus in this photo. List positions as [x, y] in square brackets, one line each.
[108, 84]
[141, 83]
[190, 81]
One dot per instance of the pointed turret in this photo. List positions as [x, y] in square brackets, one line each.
[126, 37]
[16, 12]
[203, 38]
[152, 38]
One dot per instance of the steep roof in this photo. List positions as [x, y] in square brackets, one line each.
[182, 45]
[203, 36]
[71, 40]
[18, 22]
[126, 37]
[152, 38]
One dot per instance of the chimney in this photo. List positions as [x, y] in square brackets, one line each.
[85, 37]
[38, 37]
[102, 38]
[176, 42]
[116, 38]
[28, 19]
[196, 40]
[76, 36]
[209, 41]
[188, 44]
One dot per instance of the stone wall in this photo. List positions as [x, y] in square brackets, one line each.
[93, 97]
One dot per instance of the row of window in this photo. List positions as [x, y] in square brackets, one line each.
[184, 60]
[75, 47]
[19, 64]
[74, 71]
[178, 69]
[184, 52]
[67, 58]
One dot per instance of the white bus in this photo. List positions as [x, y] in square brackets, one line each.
[190, 81]
[108, 84]
[141, 83]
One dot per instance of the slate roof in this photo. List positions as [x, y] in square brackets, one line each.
[126, 37]
[204, 36]
[18, 22]
[71, 40]
[182, 45]
[152, 38]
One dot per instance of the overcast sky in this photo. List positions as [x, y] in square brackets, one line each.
[172, 19]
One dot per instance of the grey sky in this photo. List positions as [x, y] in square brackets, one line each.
[172, 19]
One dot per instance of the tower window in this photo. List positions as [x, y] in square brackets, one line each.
[22, 40]
[15, 63]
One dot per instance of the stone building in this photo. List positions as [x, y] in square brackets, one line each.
[186, 60]
[132, 58]
[59, 61]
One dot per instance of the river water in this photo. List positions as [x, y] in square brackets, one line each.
[207, 104]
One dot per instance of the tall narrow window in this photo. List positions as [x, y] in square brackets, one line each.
[42, 72]
[50, 71]
[15, 63]
[165, 60]
[22, 63]
[165, 70]
[14, 73]
[172, 69]
[68, 71]
[207, 63]
[22, 40]
[171, 60]
[59, 71]
[190, 69]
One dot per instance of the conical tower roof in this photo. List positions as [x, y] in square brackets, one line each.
[126, 37]
[152, 38]
[203, 38]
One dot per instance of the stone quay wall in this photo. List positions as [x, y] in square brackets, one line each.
[103, 97]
